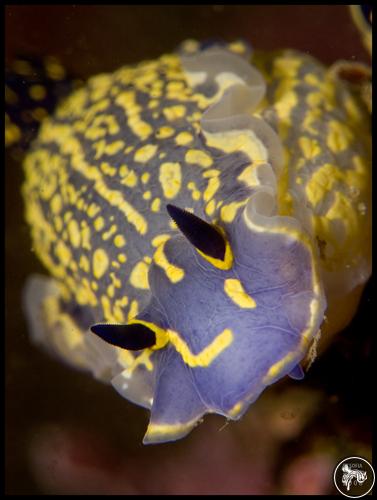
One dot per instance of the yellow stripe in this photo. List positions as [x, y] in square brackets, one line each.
[235, 291]
[174, 273]
[208, 354]
[165, 432]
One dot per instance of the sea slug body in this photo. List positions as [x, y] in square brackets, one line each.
[199, 215]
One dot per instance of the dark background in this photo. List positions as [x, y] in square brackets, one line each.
[93, 39]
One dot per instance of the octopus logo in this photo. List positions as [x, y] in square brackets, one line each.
[354, 477]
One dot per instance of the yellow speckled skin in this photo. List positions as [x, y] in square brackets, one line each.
[103, 168]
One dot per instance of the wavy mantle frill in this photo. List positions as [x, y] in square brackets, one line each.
[241, 88]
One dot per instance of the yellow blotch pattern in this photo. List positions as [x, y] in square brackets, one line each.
[170, 179]
[100, 263]
[198, 157]
[145, 153]
[155, 205]
[184, 138]
[74, 233]
[139, 276]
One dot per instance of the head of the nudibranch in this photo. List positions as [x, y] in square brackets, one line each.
[234, 305]
[233, 309]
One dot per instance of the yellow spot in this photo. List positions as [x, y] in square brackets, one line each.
[12, 134]
[284, 108]
[84, 263]
[99, 223]
[84, 294]
[174, 112]
[237, 47]
[161, 238]
[210, 207]
[198, 157]
[134, 310]
[145, 177]
[228, 212]
[58, 223]
[196, 194]
[110, 291]
[114, 147]
[286, 67]
[155, 205]
[63, 253]
[309, 147]
[119, 241]
[139, 276]
[153, 103]
[174, 273]
[208, 354]
[100, 263]
[147, 195]
[235, 291]
[109, 233]
[139, 127]
[56, 204]
[235, 410]
[54, 69]
[118, 315]
[213, 186]
[85, 237]
[322, 182]
[122, 258]
[175, 86]
[127, 101]
[37, 92]
[339, 136]
[74, 233]
[122, 302]
[145, 153]
[184, 138]
[129, 177]
[170, 178]
[164, 132]
[312, 79]
[212, 172]
[116, 282]
[108, 169]
[39, 113]
[93, 209]
[106, 307]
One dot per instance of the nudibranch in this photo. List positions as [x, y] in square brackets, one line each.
[203, 218]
